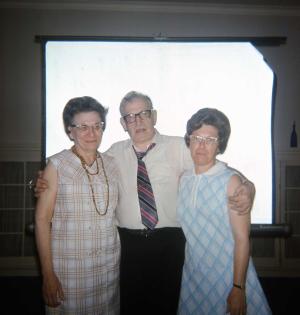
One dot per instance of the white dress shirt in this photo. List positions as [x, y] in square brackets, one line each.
[165, 163]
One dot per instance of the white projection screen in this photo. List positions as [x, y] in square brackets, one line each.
[180, 78]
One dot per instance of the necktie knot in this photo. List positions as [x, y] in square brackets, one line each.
[140, 155]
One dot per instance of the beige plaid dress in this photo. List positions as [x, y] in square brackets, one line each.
[85, 245]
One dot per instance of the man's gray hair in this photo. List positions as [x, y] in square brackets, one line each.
[130, 96]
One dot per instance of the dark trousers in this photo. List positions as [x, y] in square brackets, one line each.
[150, 270]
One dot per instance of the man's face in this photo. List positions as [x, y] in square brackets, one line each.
[140, 127]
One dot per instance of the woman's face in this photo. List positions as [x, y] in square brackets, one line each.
[204, 147]
[86, 131]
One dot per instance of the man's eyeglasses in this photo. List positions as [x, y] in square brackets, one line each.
[202, 139]
[85, 128]
[131, 117]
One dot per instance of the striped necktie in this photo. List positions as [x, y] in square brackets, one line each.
[145, 192]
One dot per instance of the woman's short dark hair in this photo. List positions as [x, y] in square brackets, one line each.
[79, 105]
[211, 117]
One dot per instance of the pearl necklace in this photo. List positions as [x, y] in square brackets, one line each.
[84, 165]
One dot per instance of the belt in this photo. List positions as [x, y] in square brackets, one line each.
[142, 232]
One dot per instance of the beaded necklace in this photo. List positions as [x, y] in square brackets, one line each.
[88, 173]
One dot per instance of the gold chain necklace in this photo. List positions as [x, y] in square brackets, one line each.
[84, 165]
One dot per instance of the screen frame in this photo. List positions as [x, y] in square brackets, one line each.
[269, 229]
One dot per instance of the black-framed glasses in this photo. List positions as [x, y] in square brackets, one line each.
[131, 117]
[83, 128]
[202, 139]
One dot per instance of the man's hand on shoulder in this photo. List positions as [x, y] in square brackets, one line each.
[243, 198]
[41, 185]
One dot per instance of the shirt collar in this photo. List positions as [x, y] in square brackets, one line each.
[156, 139]
[217, 168]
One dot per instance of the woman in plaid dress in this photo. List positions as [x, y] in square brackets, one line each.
[76, 235]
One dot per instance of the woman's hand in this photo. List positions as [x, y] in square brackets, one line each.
[236, 302]
[52, 290]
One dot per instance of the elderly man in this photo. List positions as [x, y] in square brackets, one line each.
[152, 242]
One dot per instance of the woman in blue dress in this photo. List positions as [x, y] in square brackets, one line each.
[218, 274]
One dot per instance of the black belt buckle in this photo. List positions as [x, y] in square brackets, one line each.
[146, 232]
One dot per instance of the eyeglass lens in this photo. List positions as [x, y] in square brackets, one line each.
[131, 118]
[202, 139]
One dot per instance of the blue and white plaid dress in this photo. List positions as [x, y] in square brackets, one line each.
[85, 245]
[208, 268]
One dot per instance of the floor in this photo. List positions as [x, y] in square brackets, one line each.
[22, 295]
